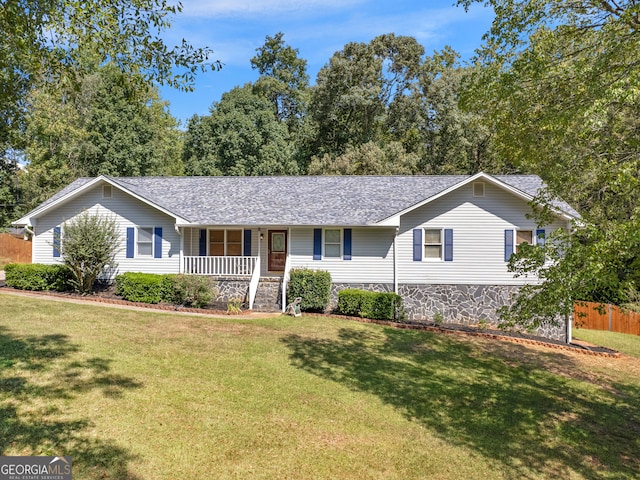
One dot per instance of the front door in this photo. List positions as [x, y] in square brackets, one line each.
[277, 250]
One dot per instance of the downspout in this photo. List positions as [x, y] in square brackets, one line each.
[395, 262]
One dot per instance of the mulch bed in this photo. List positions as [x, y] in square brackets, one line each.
[107, 295]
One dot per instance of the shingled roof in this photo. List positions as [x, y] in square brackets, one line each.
[303, 200]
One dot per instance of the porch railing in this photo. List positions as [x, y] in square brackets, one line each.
[236, 266]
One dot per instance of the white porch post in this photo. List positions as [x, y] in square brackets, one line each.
[395, 261]
[181, 254]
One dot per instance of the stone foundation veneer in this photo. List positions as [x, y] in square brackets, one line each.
[460, 304]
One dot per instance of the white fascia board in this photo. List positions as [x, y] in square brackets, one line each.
[31, 218]
[394, 220]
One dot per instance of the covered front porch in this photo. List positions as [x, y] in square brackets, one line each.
[249, 253]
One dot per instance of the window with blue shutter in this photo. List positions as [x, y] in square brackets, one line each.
[448, 245]
[417, 245]
[131, 236]
[157, 242]
[508, 244]
[247, 243]
[317, 244]
[202, 242]
[347, 244]
[56, 241]
[540, 237]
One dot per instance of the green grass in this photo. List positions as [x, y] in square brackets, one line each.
[137, 395]
[623, 342]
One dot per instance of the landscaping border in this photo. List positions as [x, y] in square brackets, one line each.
[448, 328]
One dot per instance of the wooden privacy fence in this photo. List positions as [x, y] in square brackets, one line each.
[14, 249]
[606, 317]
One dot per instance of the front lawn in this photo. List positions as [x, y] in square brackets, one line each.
[143, 395]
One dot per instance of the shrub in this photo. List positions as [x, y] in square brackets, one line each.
[143, 287]
[37, 276]
[88, 245]
[376, 305]
[192, 290]
[187, 290]
[312, 286]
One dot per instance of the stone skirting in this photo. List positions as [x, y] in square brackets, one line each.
[460, 304]
[231, 288]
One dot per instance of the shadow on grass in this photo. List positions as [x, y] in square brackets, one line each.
[502, 401]
[38, 374]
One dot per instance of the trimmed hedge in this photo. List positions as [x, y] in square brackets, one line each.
[144, 287]
[187, 290]
[312, 286]
[366, 304]
[38, 277]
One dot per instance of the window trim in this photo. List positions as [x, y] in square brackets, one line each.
[225, 241]
[515, 238]
[425, 244]
[151, 241]
[340, 244]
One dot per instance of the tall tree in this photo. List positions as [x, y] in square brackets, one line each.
[113, 124]
[241, 136]
[357, 87]
[561, 85]
[453, 140]
[44, 41]
[283, 79]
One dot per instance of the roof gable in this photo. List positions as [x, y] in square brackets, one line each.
[303, 200]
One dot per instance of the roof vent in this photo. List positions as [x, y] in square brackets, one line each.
[106, 191]
[478, 189]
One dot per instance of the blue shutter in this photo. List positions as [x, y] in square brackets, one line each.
[448, 245]
[202, 243]
[130, 241]
[508, 244]
[56, 241]
[317, 244]
[347, 244]
[247, 243]
[540, 237]
[157, 242]
[417, 245]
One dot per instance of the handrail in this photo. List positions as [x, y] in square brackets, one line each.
[253, 284]
[285, 280]
[219, 265]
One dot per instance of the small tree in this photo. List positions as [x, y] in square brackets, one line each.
[89, 243]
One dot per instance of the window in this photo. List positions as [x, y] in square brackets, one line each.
[432, 244]
[332, 243]
[145, 241]
[225, 243]
[523, 236]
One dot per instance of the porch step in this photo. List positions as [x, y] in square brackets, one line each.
[269, 295]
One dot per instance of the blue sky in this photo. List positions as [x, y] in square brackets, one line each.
[317, 28]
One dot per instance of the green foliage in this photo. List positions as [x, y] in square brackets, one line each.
[36, 276]
[242, 136]
[144, 287]
[185, 290]
[312, 286]
[366, 304]
[44, 43]
[110, 124]
[88, 246]
[192, 290]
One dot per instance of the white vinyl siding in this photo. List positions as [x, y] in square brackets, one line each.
[371, 250]
[478, 225]
[129, 212]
